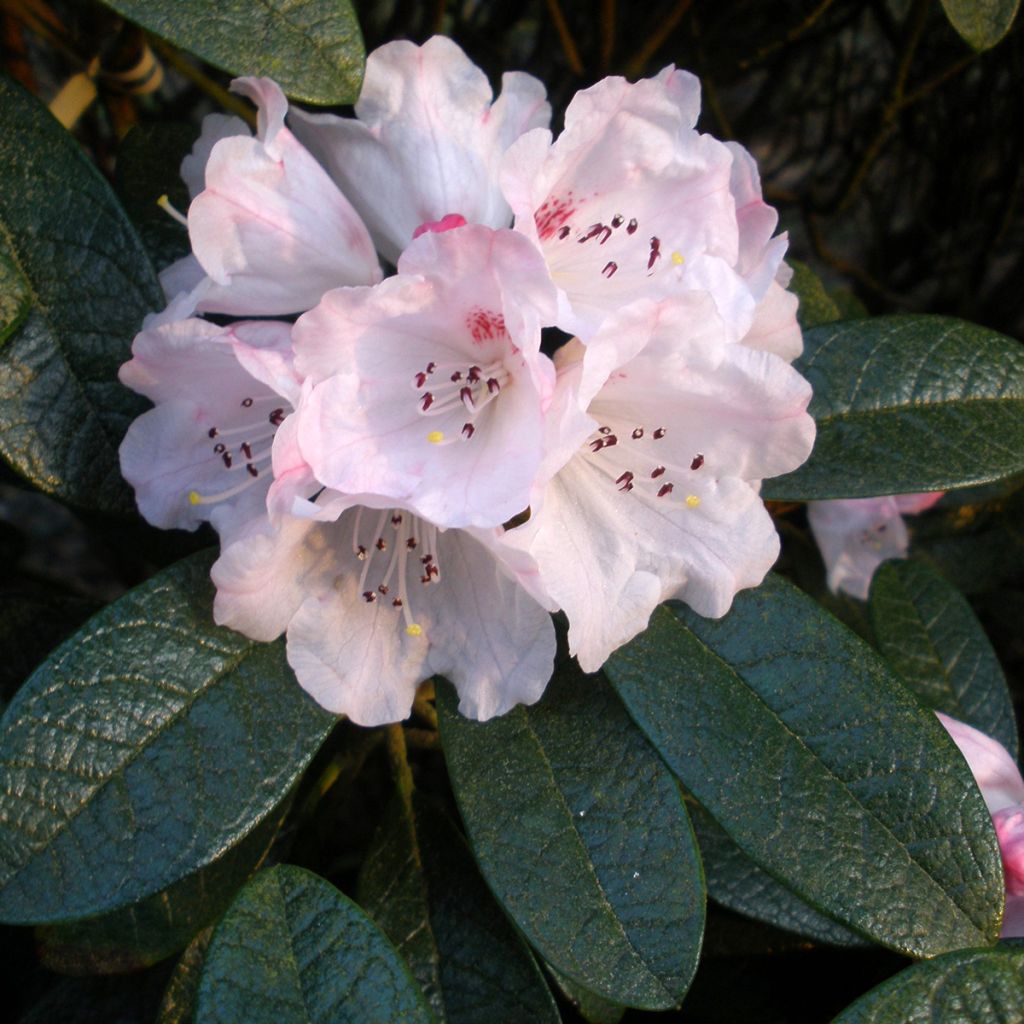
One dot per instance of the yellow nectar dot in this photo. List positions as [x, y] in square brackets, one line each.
[435, 437]
[195, 498]
[414, 629]
[692, 501]
[677, 259]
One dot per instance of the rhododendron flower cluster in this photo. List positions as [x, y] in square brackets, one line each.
[403, 481]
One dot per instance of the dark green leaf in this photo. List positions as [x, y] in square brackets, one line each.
[816, 306]
[15, 296]
[970, 986]
[148, 165]
[160, 925]
[927, 631]
[981, 23]
[582, 835]
[420, 885]
[294, 950]
[312, 48]
[593, 1009]
[906, 404]
[847, 304]
[145, 746]
[820, 765]
[62, 410]
[736, 882]
[179, 1003]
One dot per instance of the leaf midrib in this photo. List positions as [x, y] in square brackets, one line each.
[65, 823]
[843, 788]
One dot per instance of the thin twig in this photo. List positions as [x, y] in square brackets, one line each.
[790, 37]
[572, 55]
[398, 755]
[607, 33]
[638, 64]
[207, 84]
[892, 109]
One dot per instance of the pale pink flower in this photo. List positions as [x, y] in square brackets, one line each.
[430, 389]
[427, 140]
[220, 394]
[270, 231]
[630, 201]
[1000, 782]
[375, 600]
[659, 435]
[856, 535]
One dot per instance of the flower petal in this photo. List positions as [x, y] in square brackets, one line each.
[995, 772]
[427, 141]
[270, 228]
[439, 406]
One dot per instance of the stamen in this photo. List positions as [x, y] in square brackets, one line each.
[655, 253]
[165, 204]
[698, 461]
[631, 226]
[609, 268]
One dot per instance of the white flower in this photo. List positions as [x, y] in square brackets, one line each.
[430, 389]
[630, 201]
[427, 140]
[857, 535]
[660, 433]
[374, 600]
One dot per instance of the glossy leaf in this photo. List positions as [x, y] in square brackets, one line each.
[421, 886]
[160, 925]
[820, 765]
[970, 986]
[178, 1005]
[62, 410]
[981, 23]
[146, 745]
[736, 882]
[582, 836]
[593, 1009]
[312, 48]
[907, 404]
[15, 296]
[927, 631]
[294, 950]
